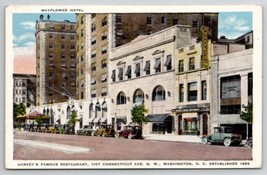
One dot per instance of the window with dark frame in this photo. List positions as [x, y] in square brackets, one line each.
[181, 65]
[158, 94]
[93, 66]
[121, 98]
[192, 91]
[149, 20]
[191, 63]
[157, 65]
[204, 90]
[163, 20]
[129, 72]
[168, 62]
[181, 92]
[120, 75]
[147, 68]
[137, 70]
[113, 75]
[175, 21]
[104, 63]
[195, 24]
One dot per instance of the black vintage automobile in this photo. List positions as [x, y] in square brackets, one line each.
[222, 135]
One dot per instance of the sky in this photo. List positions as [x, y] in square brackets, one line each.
[231, 25]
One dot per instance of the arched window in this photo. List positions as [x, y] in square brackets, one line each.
[121, 98]
[158, 94]
[138, 96]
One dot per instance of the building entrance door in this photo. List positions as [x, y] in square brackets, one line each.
[180, 125]
[205, 124]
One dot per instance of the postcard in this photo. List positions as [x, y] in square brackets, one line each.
[133, 87]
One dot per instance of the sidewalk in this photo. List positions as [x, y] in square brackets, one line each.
[174, 138]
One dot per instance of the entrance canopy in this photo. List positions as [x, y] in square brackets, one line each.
[157, 117]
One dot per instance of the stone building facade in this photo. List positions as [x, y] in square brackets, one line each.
[192, 91]
[231, 88]
[142, 72]
[24, 90]
[55, 60]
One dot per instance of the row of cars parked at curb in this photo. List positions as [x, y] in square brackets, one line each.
[104, 130]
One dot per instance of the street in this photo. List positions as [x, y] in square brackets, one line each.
[46, 146]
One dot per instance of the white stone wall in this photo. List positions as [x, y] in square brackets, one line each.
[237, 63]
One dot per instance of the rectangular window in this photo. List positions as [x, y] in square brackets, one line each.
[118, 19]
[192, 91]
[163, 20]
[93, 42]
[104, 91]
[192, 47]
[157, 65]
[93, 27]
[63, 27]
[63, 55]
[129, 72]
[119, 33]
[82, 19]
[175, 21]
[181, 93]
[104, 49]
[63, 46]
[191, 63]
[137, 70]
[104, 63]
[104, 22]
[195, 24]
[93, 93]
[168, 62]
[82, 33]
[93, 66]
[72, 37]
[72, 47]
[149, 20]
[104, 35]
[120, 75]
[63, 36]
[204, 90]
[181, 50]
[93, 80]
[181, 65]
[147, 68]
[113, 76]
[51, 35]
[104, 78]
[93, 54]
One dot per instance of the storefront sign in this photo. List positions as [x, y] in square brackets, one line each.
[204, 36]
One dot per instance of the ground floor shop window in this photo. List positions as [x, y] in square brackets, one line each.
[191, 126]
[158, 128]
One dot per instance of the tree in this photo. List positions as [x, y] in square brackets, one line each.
[247, 114]
[138, 113]
[73, 118]
[18, 109]
[39, 120]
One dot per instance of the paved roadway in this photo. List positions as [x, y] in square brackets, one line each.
[45, 146]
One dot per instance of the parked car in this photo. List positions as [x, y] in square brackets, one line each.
[130, 132]
[69, 129]
[105, 130]
[86, 130]
[43, 128]
[59, 129]
[222, 135]
[51, 129]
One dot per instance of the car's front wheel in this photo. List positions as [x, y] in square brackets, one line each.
[205, 140]
[227, 142]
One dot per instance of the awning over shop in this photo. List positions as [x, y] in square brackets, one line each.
[157, 117]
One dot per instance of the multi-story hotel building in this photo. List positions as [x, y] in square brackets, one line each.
[142, 72]
[55, 60]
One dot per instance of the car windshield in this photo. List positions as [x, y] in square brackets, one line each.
[217, 130]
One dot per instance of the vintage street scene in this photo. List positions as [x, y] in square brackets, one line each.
[133, 86]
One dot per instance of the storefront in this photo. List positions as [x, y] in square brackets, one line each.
[160, 123]
[192, 119]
